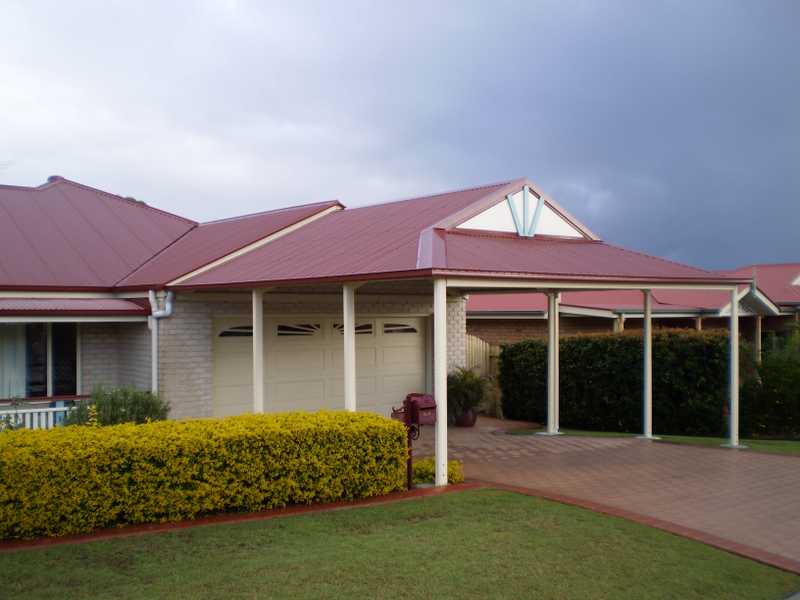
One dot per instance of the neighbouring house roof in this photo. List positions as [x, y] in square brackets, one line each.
[781, 282]
[419, 237]
[72, 307]
[65, 235]
[210, 241]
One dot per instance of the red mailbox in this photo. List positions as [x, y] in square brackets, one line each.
[418, 409]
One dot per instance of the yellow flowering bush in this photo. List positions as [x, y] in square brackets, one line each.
[76, 479]
[425, 471]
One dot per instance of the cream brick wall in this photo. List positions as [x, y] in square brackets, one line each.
[185, 338]
[115, 355]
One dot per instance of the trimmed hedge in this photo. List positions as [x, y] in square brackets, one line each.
[425, 471]
[76, 479]
[601, 381]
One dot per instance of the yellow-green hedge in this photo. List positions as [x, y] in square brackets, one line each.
[76, 479]
[424, 471]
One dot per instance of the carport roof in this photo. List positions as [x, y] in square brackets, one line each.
[419, 237]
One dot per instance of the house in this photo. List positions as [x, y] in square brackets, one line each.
[307, 307]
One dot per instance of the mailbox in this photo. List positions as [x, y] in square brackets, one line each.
[418, 409]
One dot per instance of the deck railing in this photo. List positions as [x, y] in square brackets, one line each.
[37, 415]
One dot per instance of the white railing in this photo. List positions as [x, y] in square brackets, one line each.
[34, 418]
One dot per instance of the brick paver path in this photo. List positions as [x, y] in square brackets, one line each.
[744, 497]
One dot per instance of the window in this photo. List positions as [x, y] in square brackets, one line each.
[361, 329]
[299, 329]
[24, 369]
[398, 328]
[238, 331]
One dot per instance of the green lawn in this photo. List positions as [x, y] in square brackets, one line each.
[769, 446]
[478, 544]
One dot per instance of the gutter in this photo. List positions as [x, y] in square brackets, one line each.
[155, 315]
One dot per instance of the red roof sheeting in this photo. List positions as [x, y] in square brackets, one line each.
[210, 241]
[66, 235]
[376, 239]
[776, 280]
[72, 307]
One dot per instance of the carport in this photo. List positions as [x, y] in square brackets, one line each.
[507, 237]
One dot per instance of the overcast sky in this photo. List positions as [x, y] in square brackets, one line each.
[668, 127]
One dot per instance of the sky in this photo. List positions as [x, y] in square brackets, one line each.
[667, 127]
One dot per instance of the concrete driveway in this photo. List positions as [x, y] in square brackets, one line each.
[746, 502]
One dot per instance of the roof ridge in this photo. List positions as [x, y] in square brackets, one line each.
[428, 196]
[272, 211]
[117, 197]
[156, 255]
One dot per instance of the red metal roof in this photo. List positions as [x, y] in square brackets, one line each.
[376, 239]
[67, 235]
[211, 241]
[72, 307]
[776, 281]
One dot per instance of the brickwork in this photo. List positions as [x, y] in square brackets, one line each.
[508, 331]
[185, 338]
[115, 355]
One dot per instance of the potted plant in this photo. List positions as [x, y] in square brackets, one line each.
[465, 391]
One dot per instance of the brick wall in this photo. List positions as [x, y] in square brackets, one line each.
[115, 355]
[185, 338]
[508, 331]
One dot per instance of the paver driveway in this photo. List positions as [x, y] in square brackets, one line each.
[746, 498]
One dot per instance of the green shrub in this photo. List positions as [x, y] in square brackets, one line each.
[119, 405]
[425, 471]
[76, 479]
[465, 391]
[771, 401]
[601, 381]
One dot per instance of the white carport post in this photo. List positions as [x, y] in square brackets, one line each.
[440, 376]
[258, 351]
[757, 339]
[552, 364]
[647, 389]
[349, 331]
[733, 407]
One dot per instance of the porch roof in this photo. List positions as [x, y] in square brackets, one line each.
[84, 307]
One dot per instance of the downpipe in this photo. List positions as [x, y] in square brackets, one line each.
[155, 315]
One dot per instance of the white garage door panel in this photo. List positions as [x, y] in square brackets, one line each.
[305, 360]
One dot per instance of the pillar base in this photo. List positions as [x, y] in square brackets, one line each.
[549, 433]
[647, 437]
[735, 446]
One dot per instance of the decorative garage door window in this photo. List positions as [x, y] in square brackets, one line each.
[238, 331]
[399, 328]
[361, 328]
[299, 329]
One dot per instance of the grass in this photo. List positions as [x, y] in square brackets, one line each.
[757, 445]
[478, 544]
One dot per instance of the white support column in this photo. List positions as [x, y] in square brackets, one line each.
[733, 383]
[349, 334]
[647, 391]
[557, 352]
[757, 339]
[552, 364]
[49, 359]
[619, 324]
[698, 323]
[258, 351]
[440, 376]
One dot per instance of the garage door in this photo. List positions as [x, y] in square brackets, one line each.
[304, 363]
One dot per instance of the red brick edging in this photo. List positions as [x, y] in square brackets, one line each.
[135, 530]
[756, 554]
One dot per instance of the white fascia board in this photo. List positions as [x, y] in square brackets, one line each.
[254, 245]
[769, 308]
[72, 319]
[796, 281]
[580, 311]
[467, 281]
